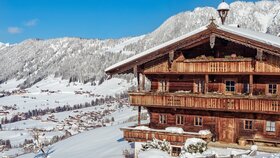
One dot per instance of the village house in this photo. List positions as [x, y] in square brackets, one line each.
[220, 78]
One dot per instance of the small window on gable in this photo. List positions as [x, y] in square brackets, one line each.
[272, 88]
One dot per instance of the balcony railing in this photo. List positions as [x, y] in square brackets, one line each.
[216, 65]
[132, 134]
[207, 102]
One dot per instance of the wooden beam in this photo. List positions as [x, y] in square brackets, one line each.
[213, 73]
[139, 115]
[135, 70]
[251, 84]
[143, 82]
[206, 84]
[212, 40]
[170, 60]
[259, 54]
[137, 75]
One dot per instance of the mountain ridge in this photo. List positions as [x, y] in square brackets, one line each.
[84, 60]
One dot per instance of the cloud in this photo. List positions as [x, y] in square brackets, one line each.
[32, 22]
[14, 30]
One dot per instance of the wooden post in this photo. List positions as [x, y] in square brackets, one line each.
[206, 84]
[171, 58]
[251, 82]
[136, 74]
[139, 115]
[143, 82]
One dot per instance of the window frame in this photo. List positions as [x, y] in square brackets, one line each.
[198, 121]
[182, 119]
[246, 126]
[177, 151]
[270, 127]
[271, 89]
[230, 86]
[162, 119]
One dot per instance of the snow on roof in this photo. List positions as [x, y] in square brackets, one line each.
[257, 36]
[149, 51]
[223, 6]
[174, 129]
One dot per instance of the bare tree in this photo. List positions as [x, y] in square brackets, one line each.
[38, 141]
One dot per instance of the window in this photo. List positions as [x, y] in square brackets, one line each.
[199, 86]
[246, 88]
[176, 151]
[248, 124]
[198, 121]
[163, 86]
[272, 88]
[162, 119]
[270, 126]
[180, 120]
[230, 86]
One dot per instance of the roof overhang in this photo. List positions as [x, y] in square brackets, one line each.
[256, 40]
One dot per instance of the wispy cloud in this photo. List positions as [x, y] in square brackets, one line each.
[14, 30]
[32, 22]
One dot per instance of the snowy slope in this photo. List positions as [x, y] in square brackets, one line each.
[64, 94]
[100, 143]
[104, 142]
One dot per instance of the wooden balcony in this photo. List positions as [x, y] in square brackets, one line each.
[207, 102]
[215, 65]
[132, 134]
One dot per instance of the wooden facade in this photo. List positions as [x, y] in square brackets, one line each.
[209, 102]
[231, 89]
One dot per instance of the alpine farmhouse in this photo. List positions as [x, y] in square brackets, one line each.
[220, 78]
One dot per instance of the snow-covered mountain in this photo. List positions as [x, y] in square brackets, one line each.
[85, 59]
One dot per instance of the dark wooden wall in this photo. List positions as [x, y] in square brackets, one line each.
[216, 83]
[213, 122]
[222, 49]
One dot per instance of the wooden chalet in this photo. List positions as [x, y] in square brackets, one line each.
[219, 78]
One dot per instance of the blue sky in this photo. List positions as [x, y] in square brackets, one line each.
[44, 19]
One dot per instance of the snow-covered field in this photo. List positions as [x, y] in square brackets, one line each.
[63, 93]
[105, 142]
[54, 92]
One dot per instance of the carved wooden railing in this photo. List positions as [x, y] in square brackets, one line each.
[267, 67]
[207, 102]
[215, 65]
[136, 135]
